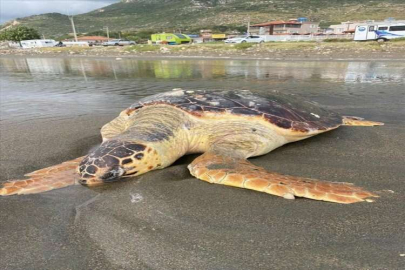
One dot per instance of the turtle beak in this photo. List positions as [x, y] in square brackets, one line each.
[111, 175]
[90, 181]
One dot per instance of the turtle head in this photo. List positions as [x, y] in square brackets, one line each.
[115, 159]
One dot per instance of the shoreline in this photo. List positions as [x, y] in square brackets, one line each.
[282, 51]
[196, 57]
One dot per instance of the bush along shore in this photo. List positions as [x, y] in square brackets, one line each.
[329, 49]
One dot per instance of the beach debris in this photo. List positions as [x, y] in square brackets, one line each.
[164, 50]
[136, 198]
[289, 196]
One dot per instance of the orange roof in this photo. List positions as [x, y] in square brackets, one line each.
[275, 23]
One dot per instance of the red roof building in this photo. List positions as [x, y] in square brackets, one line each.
[284, 28]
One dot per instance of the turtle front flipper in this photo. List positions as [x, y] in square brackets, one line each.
[236, 172]
[54, 177]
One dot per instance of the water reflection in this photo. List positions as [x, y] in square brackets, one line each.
[49, 88]
[207, 69]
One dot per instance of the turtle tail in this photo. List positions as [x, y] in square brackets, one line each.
[358, 121]
[54, 177]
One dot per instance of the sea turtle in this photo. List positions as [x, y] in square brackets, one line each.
[226, 126]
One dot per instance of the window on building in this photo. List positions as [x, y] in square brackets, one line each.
[290, 25]
[397, 28]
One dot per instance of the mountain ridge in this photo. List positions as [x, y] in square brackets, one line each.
[163, 15]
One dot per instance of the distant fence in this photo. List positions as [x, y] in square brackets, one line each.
[303, 37]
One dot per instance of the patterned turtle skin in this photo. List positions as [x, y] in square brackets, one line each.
[284, 110]
[226, 126]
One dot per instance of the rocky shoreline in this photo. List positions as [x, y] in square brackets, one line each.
[347, 50]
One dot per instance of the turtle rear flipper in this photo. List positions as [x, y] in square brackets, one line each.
[54, 177]
[241, 173]
[358, 121]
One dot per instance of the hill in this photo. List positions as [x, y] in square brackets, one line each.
[167, 15]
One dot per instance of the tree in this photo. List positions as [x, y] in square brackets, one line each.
[3, 35]
[19, 33]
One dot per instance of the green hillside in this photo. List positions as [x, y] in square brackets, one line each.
[191, 14]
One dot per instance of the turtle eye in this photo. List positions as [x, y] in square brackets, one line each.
[91, 169]
[126, 161]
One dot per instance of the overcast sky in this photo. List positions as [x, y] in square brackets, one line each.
[11, 9]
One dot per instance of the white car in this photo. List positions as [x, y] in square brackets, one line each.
[244, 39]
[118, 42]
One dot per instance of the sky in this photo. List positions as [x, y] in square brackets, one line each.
[12, 9]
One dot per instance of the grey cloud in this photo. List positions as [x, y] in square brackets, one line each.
[11, 9]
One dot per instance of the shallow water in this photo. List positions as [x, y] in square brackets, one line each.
[59, 88]
[52, 109]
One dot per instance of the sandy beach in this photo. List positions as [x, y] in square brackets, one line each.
[166, 219]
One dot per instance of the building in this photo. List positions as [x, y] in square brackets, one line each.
[309, 28]
[90, 39]
[343, 28]
[289, 27]
[207, 35]
[93, 39]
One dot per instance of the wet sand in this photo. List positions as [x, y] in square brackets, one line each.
[168, 220]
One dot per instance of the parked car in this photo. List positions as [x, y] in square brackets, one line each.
[244, 39]
[60, 44]
[119, 42]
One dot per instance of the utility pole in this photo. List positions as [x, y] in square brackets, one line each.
[73, 27]
[248, 26]
[108, 33]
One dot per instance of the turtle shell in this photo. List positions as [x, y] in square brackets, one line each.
[284, 110]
